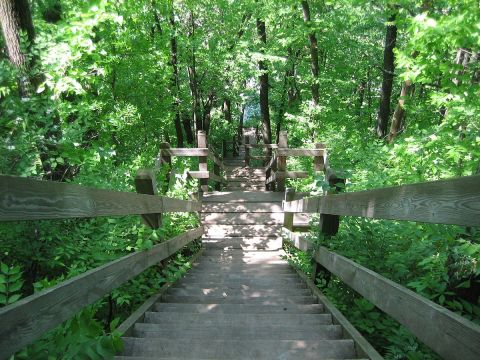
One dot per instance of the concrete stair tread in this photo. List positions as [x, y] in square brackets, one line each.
[215, 308]
[241, 349]
[237, 319]
[234, 331]
[269, 300]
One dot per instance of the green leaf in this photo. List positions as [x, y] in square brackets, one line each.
[14, 298]
[4, 268]
[3, 299]
[15, 286]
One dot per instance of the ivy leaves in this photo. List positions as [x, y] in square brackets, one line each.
[10, 284]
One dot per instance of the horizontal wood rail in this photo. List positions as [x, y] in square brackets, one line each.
[29, 199]
[454, 201]
[203, 152]
[445, 332]
[448, 334]
[30, 318]
[276, 160]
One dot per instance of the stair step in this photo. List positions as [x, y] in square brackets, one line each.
[244, 243]
[270, 300]
[243, 196]
[238, 283]
[237, 319]
[240, 349]
[216, 231]
[238, 332]
[242, 218]
[239, 308]
[228, 256]
[226, 292]
[264, 207]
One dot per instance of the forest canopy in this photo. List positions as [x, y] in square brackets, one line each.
[90, 89]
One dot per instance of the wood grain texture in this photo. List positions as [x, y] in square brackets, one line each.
[186, 151]
[28, 319]
[362, 346]
[28, 199]
[454, 201]
[445, 332]
[299, 152]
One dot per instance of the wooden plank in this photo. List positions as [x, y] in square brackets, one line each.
[145, 183]
[126, 328]
[363, 348]
[299, 152]
[445, 332]
[454, 201]
[288, 217]
[299, 240]
[29, 319]
[199, 174]
[221, 207]
[202, 160]
[29, 199]
[272, 161]
[281, 161]
[177, 205]
[264, 146]
[185, 151]
[259, 157]
[291, 174]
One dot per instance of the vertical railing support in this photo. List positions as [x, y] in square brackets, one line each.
[282, 161]
[224, 149]
[235, 146]
[165, 158]
[202, 160]
[247, 150]
[288, 217]
[318, 161]
[216, 171]
[329, 224]
[145, 183]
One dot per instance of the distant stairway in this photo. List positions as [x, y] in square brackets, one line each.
[241, 300]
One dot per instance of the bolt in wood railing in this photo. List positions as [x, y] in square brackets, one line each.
[26, 199]
[455, 202]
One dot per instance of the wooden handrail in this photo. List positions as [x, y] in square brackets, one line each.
[30, 318]
[29, 199]
[448, 334]
[454, 201]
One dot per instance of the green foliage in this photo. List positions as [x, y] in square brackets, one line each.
[10, 284]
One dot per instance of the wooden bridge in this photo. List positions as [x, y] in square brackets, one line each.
[241, 300]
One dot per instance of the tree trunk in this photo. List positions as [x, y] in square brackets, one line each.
[399, 113]
[313, 53]
[192, 76]
[174, 81]
[15, 17]
[361, 95]
[207, 109]
[187, 126]
[263, 79]
[387, 83]
[227, 110]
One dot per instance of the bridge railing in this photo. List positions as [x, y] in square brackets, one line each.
[454, 201]
[204, 153]
[26, 199]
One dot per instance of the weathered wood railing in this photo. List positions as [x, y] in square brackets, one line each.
[455, 201]
[203, 152]
[275, 160]
[26, 199]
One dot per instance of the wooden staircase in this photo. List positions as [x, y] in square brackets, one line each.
[242, 300]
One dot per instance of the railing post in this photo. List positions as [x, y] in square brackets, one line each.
[145, 183]
[165, 158]
[282, 160]
[234, 146]
[216, 171]
[318, 163]
[247, 150]
[224, 149]
[202, 160]
[328, 223]
[288, 217]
